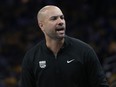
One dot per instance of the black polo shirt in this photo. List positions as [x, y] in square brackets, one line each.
[76, 65]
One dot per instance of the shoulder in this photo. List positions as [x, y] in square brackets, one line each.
[80, 49]
[77, 43]
[35, 48]
[29, 55]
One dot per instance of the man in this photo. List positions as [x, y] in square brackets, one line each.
[59, 60]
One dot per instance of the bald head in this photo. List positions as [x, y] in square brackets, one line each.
[51, 21]
[44, 11]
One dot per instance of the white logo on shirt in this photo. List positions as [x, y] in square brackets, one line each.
[69, 61]
[42, 64]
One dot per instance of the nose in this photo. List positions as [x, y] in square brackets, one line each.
[60, 21]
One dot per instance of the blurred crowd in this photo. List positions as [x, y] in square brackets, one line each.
[92, 21]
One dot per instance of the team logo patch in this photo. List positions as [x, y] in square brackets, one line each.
[42, 64]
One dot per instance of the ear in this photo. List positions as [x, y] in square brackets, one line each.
[41, 25]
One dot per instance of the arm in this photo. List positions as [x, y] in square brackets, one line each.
[27, 76]
[95, 74]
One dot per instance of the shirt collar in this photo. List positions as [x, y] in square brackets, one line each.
[66, 44]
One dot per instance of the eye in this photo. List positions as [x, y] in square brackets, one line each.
[62, 17]
[54, 18]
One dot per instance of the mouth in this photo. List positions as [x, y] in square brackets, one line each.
[60, 29]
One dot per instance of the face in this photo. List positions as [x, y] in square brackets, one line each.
[53, 24]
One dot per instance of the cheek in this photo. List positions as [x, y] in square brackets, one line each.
[49, 26]
[45, 27]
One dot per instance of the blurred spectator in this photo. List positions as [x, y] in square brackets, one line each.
[113, 84]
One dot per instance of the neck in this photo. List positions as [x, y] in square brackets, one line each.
[54, 45]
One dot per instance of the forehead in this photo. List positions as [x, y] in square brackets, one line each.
[53, 11]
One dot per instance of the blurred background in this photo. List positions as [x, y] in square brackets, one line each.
[92, 21]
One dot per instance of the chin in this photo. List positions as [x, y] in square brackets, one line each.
[61, 37]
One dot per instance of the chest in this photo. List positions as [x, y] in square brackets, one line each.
[63, 65]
